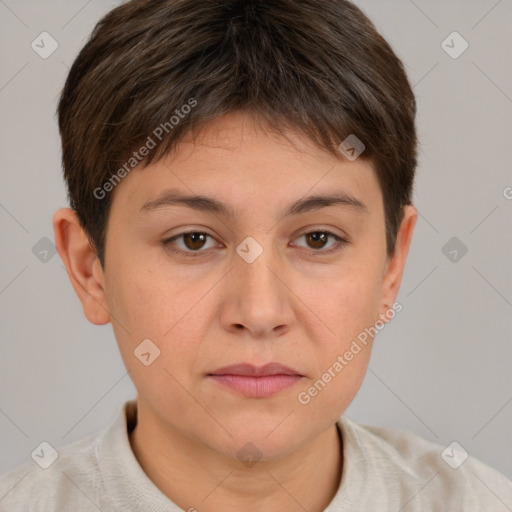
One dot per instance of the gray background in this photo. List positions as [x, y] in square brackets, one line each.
[442, 368]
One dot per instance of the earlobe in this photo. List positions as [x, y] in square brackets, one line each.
[82, 265]
[396, 263]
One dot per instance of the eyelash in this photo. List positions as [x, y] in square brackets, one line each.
[341, 242]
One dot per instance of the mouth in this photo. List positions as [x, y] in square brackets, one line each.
[256, 382]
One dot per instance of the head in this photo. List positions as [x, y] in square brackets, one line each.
[244, 105]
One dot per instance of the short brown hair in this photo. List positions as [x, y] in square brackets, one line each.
[318, 66]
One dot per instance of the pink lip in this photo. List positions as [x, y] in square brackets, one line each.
[256, 382]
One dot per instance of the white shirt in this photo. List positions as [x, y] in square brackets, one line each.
[384, 469]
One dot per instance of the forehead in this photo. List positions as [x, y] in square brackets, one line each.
[236, 160]
[242, 131]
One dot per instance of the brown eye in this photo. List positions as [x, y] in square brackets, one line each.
[318, 240]
[192, 243]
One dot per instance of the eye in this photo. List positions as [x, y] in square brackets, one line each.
[192, 243]
[318, 240]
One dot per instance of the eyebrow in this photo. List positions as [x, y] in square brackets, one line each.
[211, 205]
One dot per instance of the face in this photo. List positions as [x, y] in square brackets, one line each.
[255, 281]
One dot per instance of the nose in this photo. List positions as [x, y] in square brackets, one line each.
[259, 299]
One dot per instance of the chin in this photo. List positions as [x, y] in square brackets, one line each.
[258, 441]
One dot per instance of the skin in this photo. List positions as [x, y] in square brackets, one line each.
[292, 305]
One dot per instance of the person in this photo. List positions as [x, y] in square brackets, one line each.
[240, 177]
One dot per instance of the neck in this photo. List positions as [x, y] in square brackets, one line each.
[198, 478]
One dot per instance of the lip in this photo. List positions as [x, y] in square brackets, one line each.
[256, 371]
[256, 381]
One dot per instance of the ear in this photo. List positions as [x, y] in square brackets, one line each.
[82, 265]
[395, 265]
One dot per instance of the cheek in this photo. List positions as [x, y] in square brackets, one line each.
[146, 300]
[145, 307]
[346, 305]
[341, 355]
[169, 310]
[329, 396]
